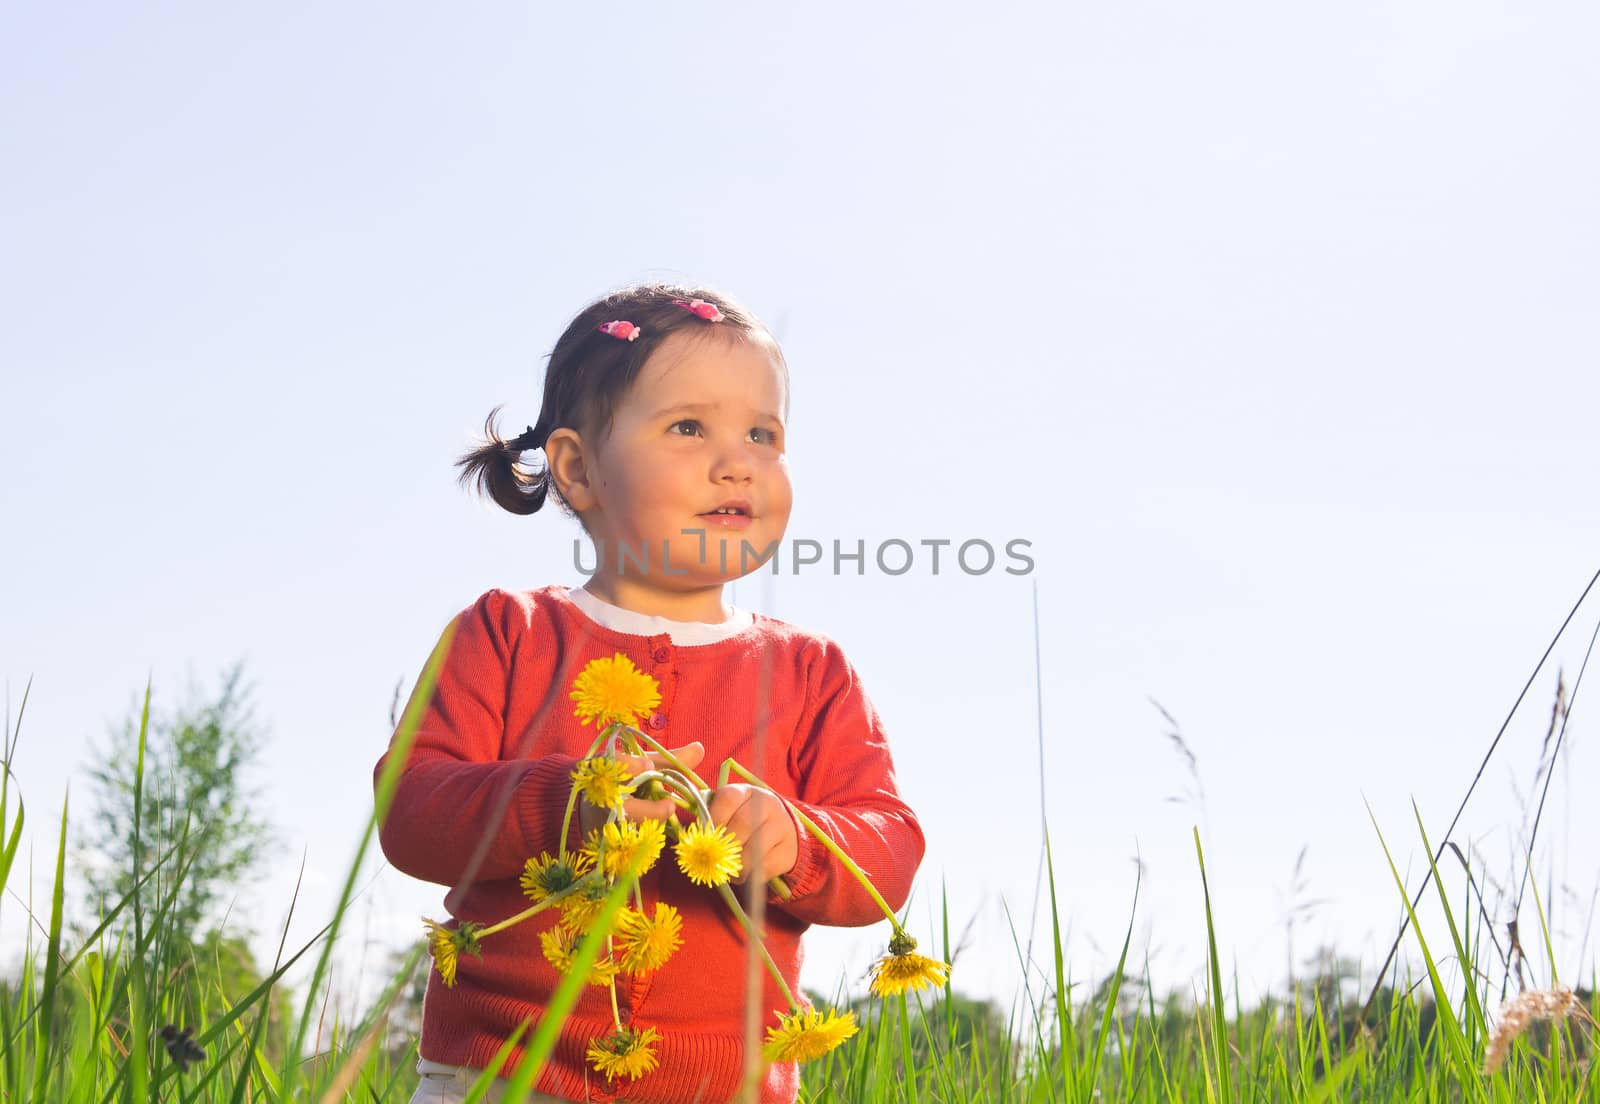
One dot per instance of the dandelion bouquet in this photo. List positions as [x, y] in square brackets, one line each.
[642, 936]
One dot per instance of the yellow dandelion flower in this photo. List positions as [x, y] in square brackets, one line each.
[646, 942]
[623, 917]
[804, 1035]
[604, 782]
[627, 845]
[899, 971]
[447, 945]
[579, 909]
[614, 689]
[625, 1052]
[709, 856]
[546, 876]
[560, 948]
[442, 947]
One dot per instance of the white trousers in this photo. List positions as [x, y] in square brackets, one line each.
[441, 1084]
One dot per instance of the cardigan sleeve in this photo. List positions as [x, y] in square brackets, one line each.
[461, 810]
[845, 785]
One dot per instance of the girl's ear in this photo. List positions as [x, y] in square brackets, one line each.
[569, 468]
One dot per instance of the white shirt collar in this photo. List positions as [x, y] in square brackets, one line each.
[643, 624]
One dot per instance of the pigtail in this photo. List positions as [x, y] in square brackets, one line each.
[494, 468]
[593, 364]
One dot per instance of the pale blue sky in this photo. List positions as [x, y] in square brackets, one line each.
[1270, 326]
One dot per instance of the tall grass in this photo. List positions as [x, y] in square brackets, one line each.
[134, 1010]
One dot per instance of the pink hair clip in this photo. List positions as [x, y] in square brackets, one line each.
[626, 331]
[700, 308]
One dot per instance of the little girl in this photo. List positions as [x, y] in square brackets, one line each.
[663, 432]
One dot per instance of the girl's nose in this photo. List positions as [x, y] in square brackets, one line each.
[732, 464]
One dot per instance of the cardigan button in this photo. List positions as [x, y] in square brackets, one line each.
[662, 655]
[658, 720]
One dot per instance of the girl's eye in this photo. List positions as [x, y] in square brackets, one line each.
[686, 428]
[763, 436]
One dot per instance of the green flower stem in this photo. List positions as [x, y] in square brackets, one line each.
[616, 1013]
[778, 887]
[672, 760]
[676, 786]
[702, 810]
[540, 906]
[566, 823]
[572, 798]
[772, 967]
[824, 839]
[604, 742]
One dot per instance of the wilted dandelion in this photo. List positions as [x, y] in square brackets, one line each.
[626, 1052]
[806, 1034]
[1522, 1013]
[903, 969]
[709, 856]
[579, 909]
[446, 945]
[560, 946]
[614, 690]
[547, 875]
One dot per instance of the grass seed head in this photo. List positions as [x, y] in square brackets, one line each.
[1522, 1013]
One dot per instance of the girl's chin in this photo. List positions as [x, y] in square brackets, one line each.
[723, 553]
[720, 556]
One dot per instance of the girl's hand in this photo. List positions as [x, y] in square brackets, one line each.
[591, 817]
[758, 819]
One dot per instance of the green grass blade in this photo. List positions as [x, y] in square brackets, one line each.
[366, 1032]
[245, 1003]
[1106, 1017]
[1063, 1003]
[908, 1065]
[9, 853]
[1544, 928]
[13, 734]
[566, 995]
[485, 1080]
[400, 749]
[1446, 1023]
[1219, 1015]
[1476, 1024]
[1336, 1076]
[52, 965]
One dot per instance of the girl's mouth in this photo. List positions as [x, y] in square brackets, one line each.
[728, 517]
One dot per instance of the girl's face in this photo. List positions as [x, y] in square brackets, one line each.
[692, 477]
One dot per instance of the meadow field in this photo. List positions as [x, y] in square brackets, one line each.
[138, 1008]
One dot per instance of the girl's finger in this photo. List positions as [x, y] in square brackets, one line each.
[688, 754]
[742, 822]
[638, 809]
[756, 843]
[765, 844]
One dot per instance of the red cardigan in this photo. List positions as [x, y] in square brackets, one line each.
[486, 783]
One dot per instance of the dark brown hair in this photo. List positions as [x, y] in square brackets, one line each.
[587, 376]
